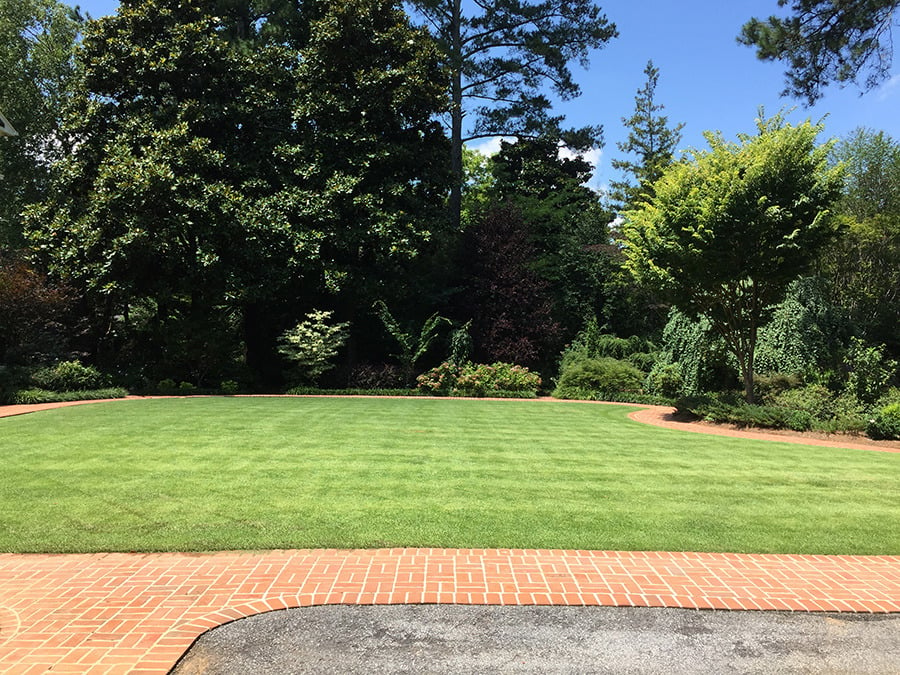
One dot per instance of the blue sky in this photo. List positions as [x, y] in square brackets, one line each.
[707, 80]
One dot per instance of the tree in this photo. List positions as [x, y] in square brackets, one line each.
[37, 39]
[727, 231]
[499, 59]
[650, 139]
[208, 172]
[825, 41]
[508, 302]
[565, 222]
[859, 269]
[872, 187]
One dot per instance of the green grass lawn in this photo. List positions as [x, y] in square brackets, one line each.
[258, 473]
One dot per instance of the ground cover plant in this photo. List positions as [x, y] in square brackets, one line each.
[258, 473]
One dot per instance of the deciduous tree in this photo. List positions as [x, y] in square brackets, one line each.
[37, 39]
[727, 231]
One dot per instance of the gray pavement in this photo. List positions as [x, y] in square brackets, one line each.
[493, 639]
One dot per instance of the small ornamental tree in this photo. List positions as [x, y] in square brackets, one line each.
[727, 232]
[312, 343]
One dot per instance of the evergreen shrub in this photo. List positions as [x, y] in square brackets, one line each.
[885, 425]
[69, 376]
[33, 396]
[587, 377]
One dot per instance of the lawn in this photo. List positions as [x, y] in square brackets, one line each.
[258, 473]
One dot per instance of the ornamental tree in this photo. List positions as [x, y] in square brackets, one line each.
[728, 230]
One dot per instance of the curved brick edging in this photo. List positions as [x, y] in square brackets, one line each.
[138, 613]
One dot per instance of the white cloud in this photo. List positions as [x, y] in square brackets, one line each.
[888, 89]
[489, 146]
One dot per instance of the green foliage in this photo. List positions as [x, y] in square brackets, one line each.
[665, 379]
[478, 379]
[700, 354]
[815, 399]
[186, 389]
[229, 387]
[589, 377]
[750, 415]
[167, 387]
[805, 333]
[592, 343]
[501, 57]
[727, 231]
[69, 376]
[885, 425]
[37, 40]
[651, 140]
[461, 344]
[356, 391]
[824, 41]
[870, 373]
[412, 348]
[312, 343]
[33, 396]
[872, 186]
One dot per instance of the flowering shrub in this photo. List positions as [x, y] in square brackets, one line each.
[440, 380]
[478, 379]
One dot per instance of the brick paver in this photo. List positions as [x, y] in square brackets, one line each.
[138, 613]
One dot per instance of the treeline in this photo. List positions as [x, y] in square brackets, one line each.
[248, 195]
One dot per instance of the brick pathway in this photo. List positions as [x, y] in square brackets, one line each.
[138, 613]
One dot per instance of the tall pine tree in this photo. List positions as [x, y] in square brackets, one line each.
[651, 140]
[501, 56]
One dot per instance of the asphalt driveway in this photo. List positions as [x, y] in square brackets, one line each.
[523, 639]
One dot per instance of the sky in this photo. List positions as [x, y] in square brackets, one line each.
[707, 80]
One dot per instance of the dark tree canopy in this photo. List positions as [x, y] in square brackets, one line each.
[208, 171]
[826, 41]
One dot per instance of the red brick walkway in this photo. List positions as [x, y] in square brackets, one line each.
[118, 612]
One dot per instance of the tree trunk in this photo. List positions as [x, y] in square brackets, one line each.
[456, 118]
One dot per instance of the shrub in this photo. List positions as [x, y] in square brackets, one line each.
[481, 379]
[478, 379]
[768, 386]
[885, 425]
[69, 376]
[380, 376]
[665, 380]
[747, 415]
[870, 371]
[167, 387]
[228, 387]
[312, 343]
[814, 399]
[593, 376]
[440, 380]
[186, 389]
[33, 396]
